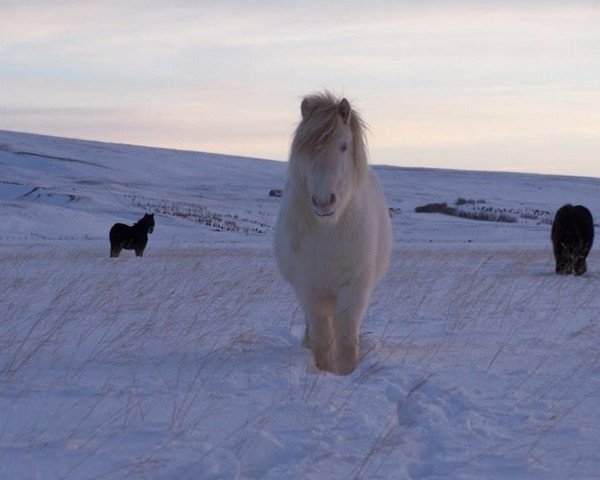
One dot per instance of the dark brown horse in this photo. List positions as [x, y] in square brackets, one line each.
[572, 238]
[131, 238]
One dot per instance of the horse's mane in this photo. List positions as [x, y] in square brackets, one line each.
[144, 221]
[319, 123]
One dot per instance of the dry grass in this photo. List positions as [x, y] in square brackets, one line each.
[120, 360]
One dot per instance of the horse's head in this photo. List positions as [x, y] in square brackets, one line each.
[328, 150]
[149, 222]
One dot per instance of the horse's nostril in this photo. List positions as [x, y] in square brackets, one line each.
[323, 201]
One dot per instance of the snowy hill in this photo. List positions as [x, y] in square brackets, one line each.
[78, 189]
[57, 188]
[478, 361]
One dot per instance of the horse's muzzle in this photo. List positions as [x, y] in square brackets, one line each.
[323, 213]
[324, 205]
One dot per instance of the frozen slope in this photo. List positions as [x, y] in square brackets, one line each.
[55, 188]
[478, 361]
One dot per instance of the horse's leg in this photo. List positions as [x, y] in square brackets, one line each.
[140, 250]
[318, 312]
[350, 310]
[562, 262]
[579, 259]
[114, 251]
[579, 265]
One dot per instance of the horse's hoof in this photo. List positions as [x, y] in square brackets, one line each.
[346, 369]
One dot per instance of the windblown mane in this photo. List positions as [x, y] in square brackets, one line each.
[143, 222]
[315, 129]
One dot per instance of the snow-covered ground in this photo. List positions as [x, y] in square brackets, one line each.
[478, 361]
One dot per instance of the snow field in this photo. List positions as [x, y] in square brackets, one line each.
[477, 363]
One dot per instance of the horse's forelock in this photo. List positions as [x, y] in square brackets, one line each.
[315, 129]
[320, 119]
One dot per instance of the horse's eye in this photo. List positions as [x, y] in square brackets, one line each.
[344, 147]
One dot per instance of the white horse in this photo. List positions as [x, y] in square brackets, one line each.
[333, 235]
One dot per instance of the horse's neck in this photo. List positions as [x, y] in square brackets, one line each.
[141, 226]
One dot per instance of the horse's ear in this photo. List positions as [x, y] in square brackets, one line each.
[305, 107]
[344, 110]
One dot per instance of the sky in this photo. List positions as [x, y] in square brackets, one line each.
[485, 85]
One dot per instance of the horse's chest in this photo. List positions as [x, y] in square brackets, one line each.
[326, 260]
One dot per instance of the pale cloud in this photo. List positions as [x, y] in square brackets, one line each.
[441, 84]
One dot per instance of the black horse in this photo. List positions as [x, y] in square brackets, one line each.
[572, 238]
[131, 238]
